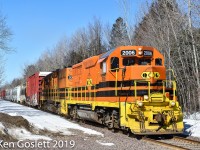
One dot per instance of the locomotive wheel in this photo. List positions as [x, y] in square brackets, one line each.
[112, 121]
[73, 113]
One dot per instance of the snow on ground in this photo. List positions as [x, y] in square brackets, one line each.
[192, 127]
[104, 143]
[41, 120]
[2, 128]
[192, 124]
[23, 134]
[57, 124]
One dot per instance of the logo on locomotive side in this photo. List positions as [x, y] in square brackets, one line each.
[147, 75]
[89, 82]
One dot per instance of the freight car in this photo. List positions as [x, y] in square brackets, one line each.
[22, 94]
[125, 88]
[2, 93]
[33, 88]
[18, 94]
[9, 95]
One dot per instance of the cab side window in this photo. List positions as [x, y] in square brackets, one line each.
[128, 61]
[103, 67]
[158, 62]
[114, 63]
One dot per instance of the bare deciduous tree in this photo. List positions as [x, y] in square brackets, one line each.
[170, 29]
[29, 70]
[5, 34]
[5, 37]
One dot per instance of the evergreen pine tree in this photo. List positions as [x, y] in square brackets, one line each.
[119, 34]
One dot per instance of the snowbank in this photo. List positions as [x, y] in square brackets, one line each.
[192, 124]
[40, 120]
[57, 124]
[2, 128]
[23, 134]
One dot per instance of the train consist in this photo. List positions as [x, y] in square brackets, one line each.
[16, 94]
[125, 88]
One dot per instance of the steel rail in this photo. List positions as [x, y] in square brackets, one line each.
[186, 140]
[164, 144]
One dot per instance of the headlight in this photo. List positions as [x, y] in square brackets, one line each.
[146, 97]
[172, 103]
[140, 103]
[140, 52]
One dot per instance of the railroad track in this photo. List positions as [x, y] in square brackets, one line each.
[177, 143]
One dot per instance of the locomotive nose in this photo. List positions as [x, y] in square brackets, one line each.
[151, 74]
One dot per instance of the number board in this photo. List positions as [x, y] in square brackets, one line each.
[128, 52]
[147, 53]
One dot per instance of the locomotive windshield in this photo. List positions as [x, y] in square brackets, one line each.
[144, 61]
[128, 61]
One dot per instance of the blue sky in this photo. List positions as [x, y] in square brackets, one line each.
[39, 24]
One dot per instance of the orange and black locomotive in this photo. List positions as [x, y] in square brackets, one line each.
[124, 88]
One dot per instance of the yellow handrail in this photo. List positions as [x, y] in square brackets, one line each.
[172, 72]
[70, 93]
[94, 92]
[116, 78]
[174, 90]
[85, 92]
[149, 84]
[77, 93]
[135, 86]
[65, 93]
[81, 93]
[174, 87]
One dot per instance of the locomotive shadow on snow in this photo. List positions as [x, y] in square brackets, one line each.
[186, 126]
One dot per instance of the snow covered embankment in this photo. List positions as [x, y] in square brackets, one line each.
[192, 125]
[38, 120]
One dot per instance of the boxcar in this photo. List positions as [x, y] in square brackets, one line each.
[33, 88]
[3, 94]
[9, 94]
[22, 95]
